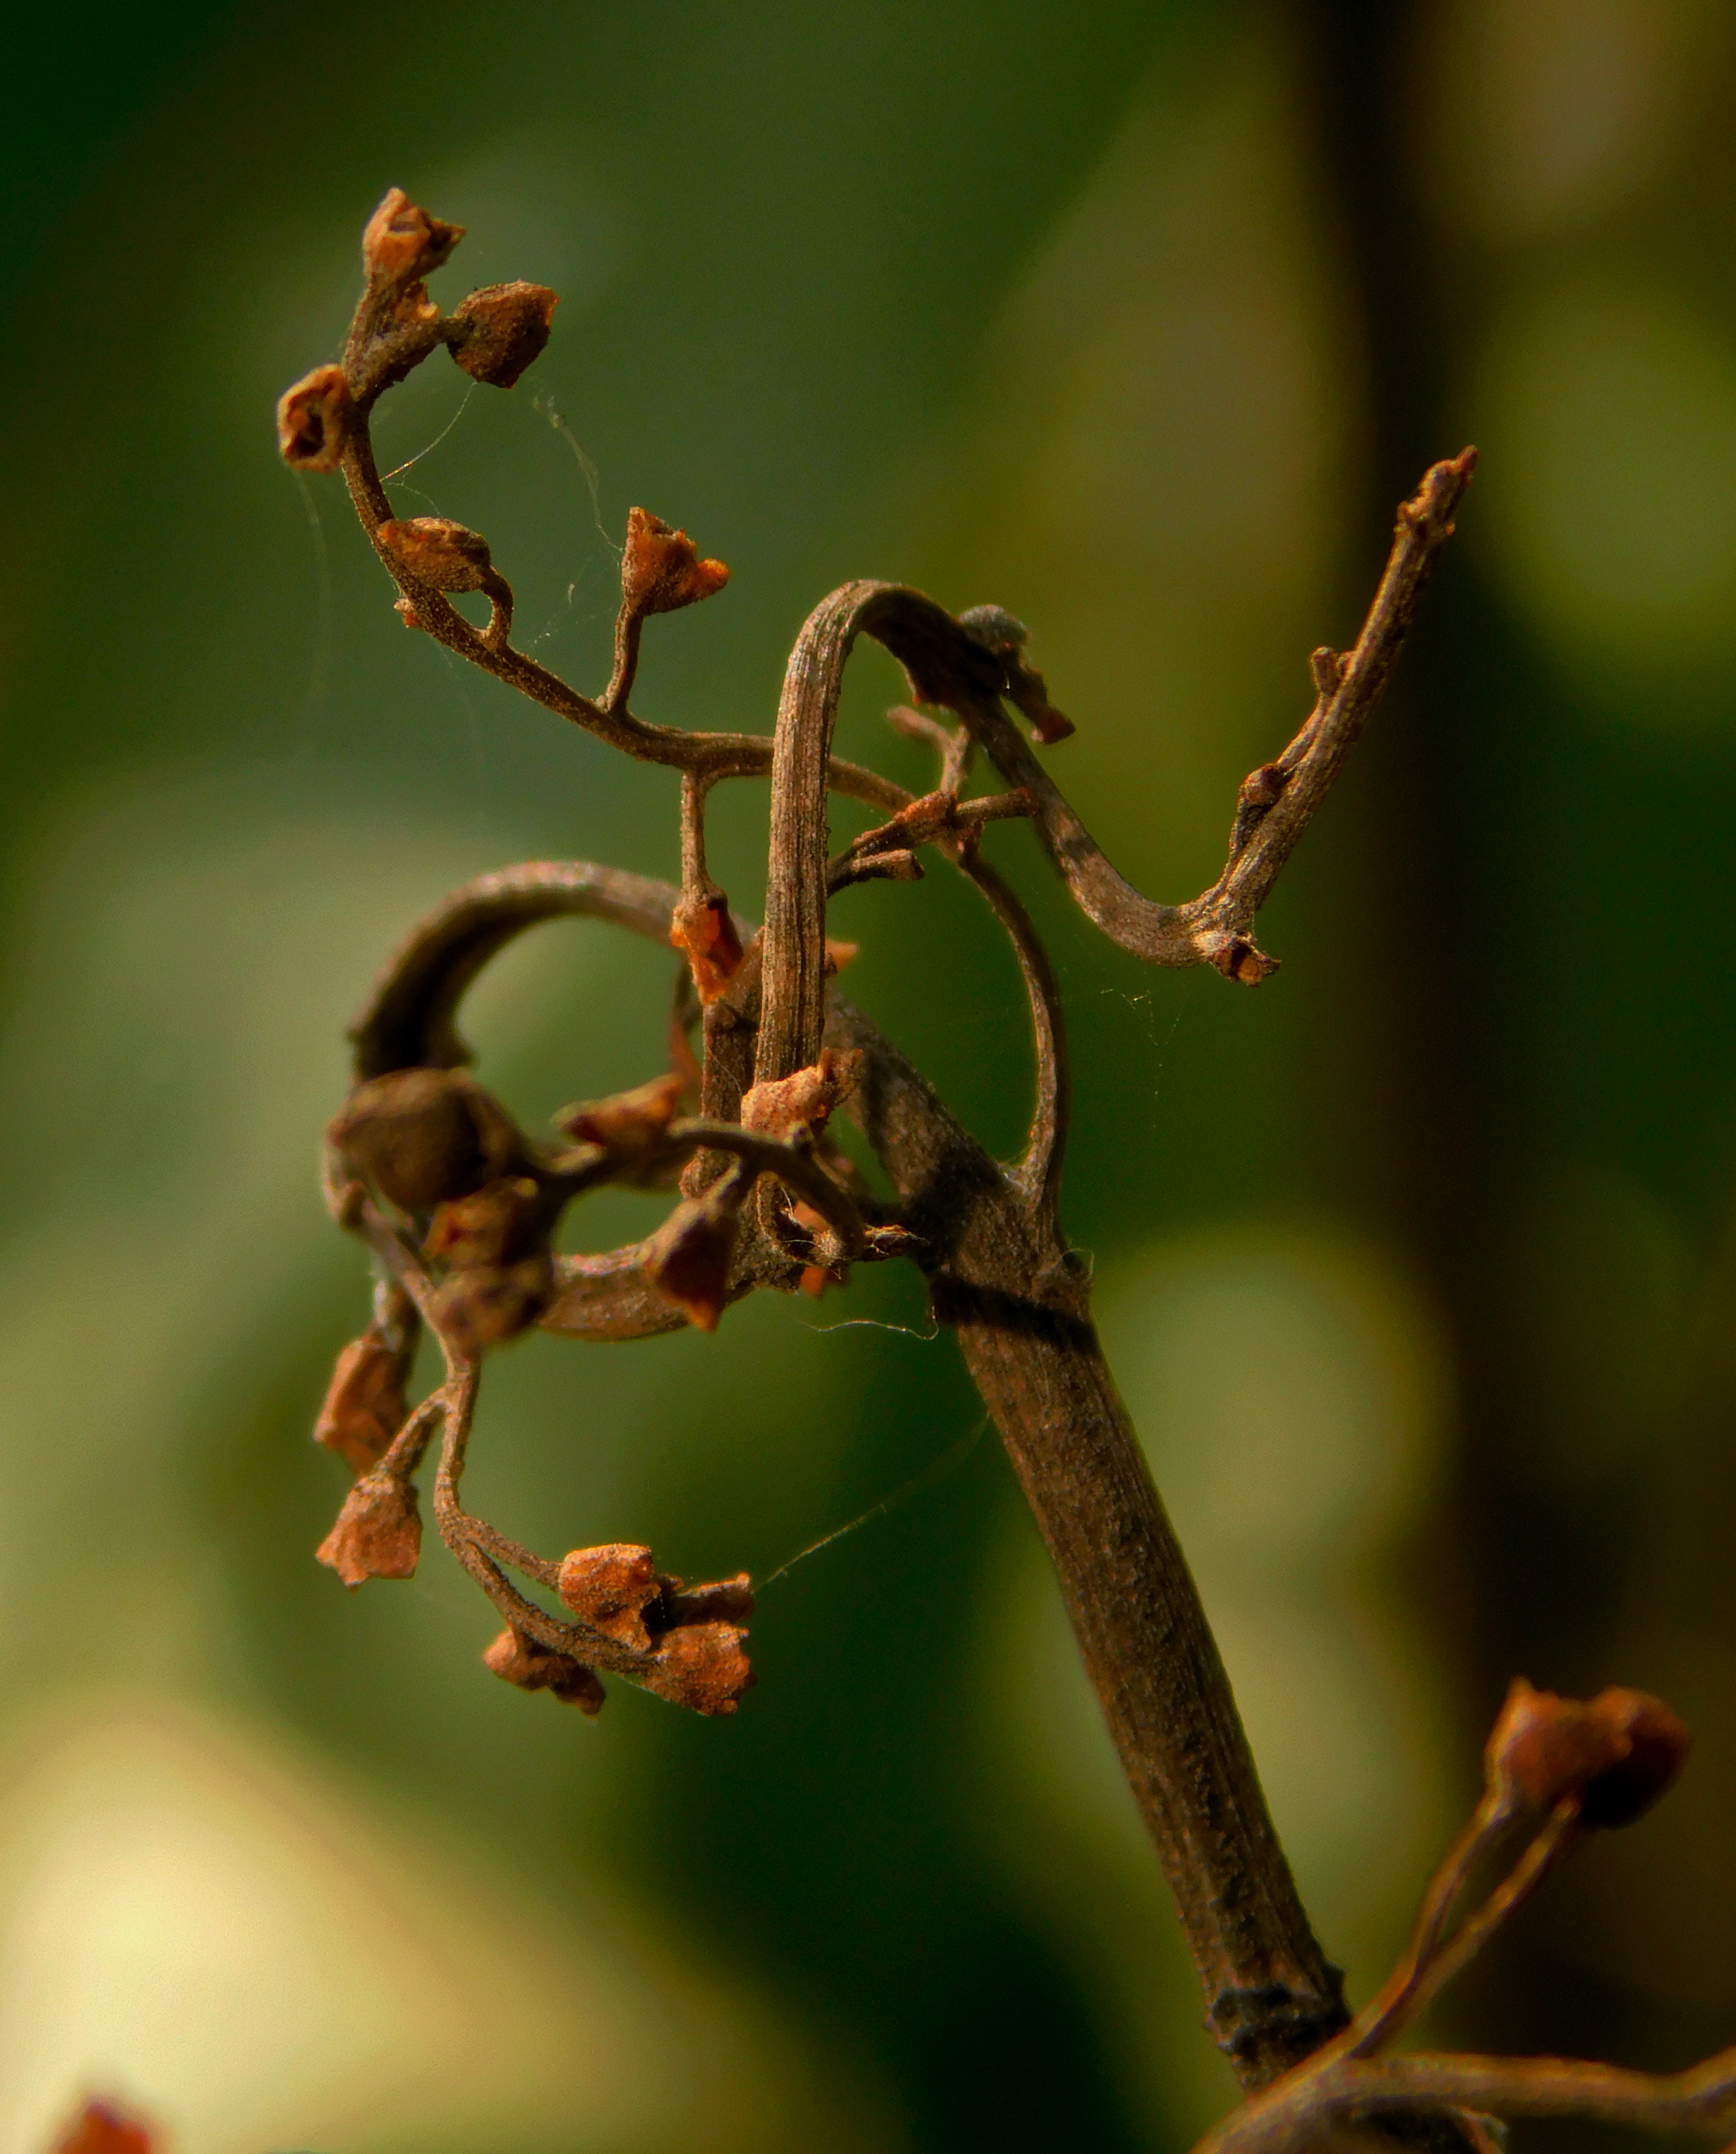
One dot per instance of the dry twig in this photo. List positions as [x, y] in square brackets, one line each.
[457, 1206]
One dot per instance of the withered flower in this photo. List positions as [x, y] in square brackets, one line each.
[103, 2127]
[379, 1532]
[315, 418]
[422, 1136]
[500, 1270]
[1615, 1754]
[365, 1405]
[448, 556]
[628, 1126]
[402, 243]
[519, 1659]
[661, 570]
[703, 1666]
[687, 1259]
[702, 927]
[498, 332]
[804, 1100]
[611, 1587]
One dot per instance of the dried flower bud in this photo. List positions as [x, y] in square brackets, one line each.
[703, 928]
[609, 1588]
[687, 1259]
[402, 243]
[629, 1125]
[494, 1225]
[488, 1305]
[102, 2127]
[1658, 1744]
[661, 570]
[804, 1100]
[447, 555]
[1616, 1753]
[498, 332]
[379, 1532]
[365, 1405]
[422, 1136]
[701, 1665]
[315, 420]
[518, 1659]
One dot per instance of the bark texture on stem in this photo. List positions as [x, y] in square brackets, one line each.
[1018, 1302]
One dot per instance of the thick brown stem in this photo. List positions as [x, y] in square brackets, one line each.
[1018, 1301]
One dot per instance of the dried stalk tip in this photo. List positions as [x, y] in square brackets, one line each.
[103, 2127]
[629, 1127]
[519, 1659]
[661, 570]
[687, 1259]
[379, 1532]
[402, 243]
[366, 1404]
[1006, 635]
[316, 419]
[1613, 1755]
[497, 333]
[423, 1137]
[703, 928]
[805, 1100]
[445, 554]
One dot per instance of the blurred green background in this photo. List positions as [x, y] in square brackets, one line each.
[1136, 319]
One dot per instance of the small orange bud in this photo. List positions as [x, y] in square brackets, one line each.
[627, 1124]
[1658, 1744]
[520, 1659]
[379, 1532]
[1616, 1753]
[495, 1225]
[498, 332]
[402, 243]
[687, 1259]
[102, 2127]
[701, 1665]
[703, 928]
[609, 1588]
[661, 570]
[805, 1100]
[364, 1405]
[447, 555]
[315, 420]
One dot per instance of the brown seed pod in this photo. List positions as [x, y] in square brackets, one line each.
[610, 1588]
[378, 1534]
[519, 1659]
[448, 556]
[661, 571]
[421, 1137]
[498, 333]
[402, 243]
[316, 418]
[1614, 1754]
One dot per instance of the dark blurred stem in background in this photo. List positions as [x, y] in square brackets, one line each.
[1529, 1582]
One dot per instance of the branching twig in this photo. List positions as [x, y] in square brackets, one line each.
[458, 1206]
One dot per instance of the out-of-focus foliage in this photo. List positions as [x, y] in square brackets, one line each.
[1415, 1265]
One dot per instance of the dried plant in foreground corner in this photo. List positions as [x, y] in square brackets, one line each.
[457, 1206]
